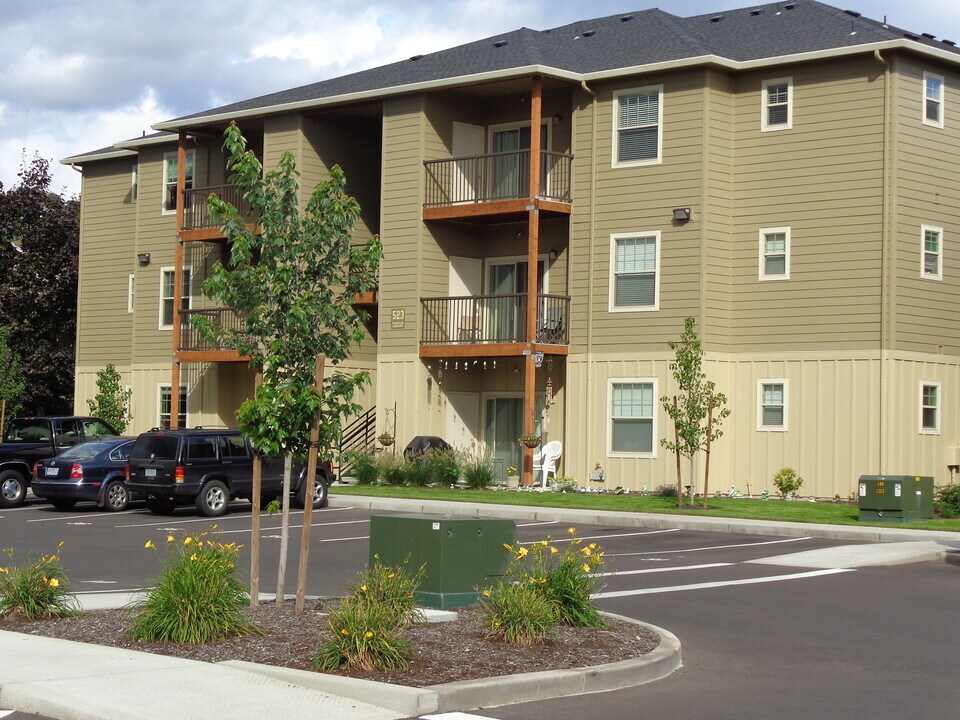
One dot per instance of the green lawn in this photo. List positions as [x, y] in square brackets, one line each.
[800, 511]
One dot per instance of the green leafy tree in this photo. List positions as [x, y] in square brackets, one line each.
[698, 412]
[11, 379]
[39, 247]
[293, 284]
[112, 402]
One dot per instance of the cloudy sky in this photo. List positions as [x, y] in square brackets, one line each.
[77, 75]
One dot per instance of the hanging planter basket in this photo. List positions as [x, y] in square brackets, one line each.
[385, 440]
[530, 442]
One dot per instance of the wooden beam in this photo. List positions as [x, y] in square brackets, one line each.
[207, 356]
[552, 206]
[468, 210]
[533, 256]
[211, 234]
[479, 350]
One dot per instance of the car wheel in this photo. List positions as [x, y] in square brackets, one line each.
[213, 499]
[160, 506]
[115, 496]
[320, 499]
[64, 503]
[13, 489]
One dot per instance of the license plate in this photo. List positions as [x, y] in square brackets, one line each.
[150, 472]
[51, 471]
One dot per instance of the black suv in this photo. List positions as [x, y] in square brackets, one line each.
[210, 468]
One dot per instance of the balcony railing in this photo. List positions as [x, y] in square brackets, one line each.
[196, 216]
[192, 339]
[486, 319]
[500, 176]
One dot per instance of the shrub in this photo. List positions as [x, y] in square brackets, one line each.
[198, 596]
[564, 484]
[37, 589]
[365, 467]
[444, 468]
[478, 468]
[367, 627]
[416, 471]
[518, 613]
[787, 481]
[946, 500]
[391, 469]
[666, 491]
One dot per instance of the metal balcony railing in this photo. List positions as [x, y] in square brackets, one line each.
[486, 319]
[192, 339]
[498, 176]
[196, 216]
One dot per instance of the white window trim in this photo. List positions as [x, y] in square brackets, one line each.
[786, 404]
[764, 125]
[924, 229]
[652, 455]
[923, 100]
[616, 129]
[131, 290]
[761, 269]
[612, 307]
[921, 429]
[171, 268]
[166, 181]
[174, 402]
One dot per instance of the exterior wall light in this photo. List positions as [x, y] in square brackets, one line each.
[682, 214]
[143, 258]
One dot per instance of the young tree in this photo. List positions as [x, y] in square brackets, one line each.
[293, 284]
[112, 402]
[39, 246]
[11, 379]
[699, 411]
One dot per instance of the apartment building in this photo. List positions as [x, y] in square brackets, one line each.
[784, 173]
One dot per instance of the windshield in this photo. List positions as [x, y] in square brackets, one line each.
[27, 431]
[159, 447]
[83, 451]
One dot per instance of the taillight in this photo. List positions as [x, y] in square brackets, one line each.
[126, 471]
[36, 470]
[76, 472]
[178, 475]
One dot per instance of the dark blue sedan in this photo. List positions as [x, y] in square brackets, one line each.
[93, 470]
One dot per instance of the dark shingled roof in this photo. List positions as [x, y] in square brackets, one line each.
[618, 41]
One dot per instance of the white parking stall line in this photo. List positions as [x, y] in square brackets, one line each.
[4, 713]
[718, 584]
[292, 527]
[648, 571]
[712, 547]
[604, 537]
[89, 516]
[216, 520]
[537, 524]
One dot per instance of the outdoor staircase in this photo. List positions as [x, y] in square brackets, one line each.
[358, 436]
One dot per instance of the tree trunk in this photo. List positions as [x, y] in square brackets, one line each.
[284, 526]
[693, 478]
[255, 517]
[706, 468]
[309, 480]
[676, 440]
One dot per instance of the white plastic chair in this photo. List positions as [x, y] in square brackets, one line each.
[545, 461]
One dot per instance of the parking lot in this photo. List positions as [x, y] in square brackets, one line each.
[759, 640]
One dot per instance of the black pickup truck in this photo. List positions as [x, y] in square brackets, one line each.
[29, 440]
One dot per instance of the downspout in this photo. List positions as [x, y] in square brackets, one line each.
[590, 261]
[885, 334]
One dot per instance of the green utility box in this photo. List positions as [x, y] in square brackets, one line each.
[462, 555]
[895, 498]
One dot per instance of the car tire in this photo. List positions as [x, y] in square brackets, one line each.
[116, 497]
[320, 495]
[64, 504]
[160, 506]
[214, 499]
[13, 489]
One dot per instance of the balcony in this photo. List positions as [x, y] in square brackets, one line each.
[197, 222]
[194, 347]
[496, 187]
[492, 325]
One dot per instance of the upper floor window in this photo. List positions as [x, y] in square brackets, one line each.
[632, 421]
[167, 295]
[166, 406]
[638, 117]
[170, 179]
[930, 407]
[635, 271]
[772, 404]
[777, 104]
[931, 252]
[775, 253]
[933, 100]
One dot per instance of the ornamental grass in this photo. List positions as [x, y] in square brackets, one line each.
[36, 590]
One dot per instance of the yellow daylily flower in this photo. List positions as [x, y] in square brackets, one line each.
[544, 543]
[586, 551]
[392, 575]
[368, 634]
[193, 557]
[592, 546]
[54, 582]
[571, 530]
[363, 587]
[486, 593]
[4, 571]
[188, 540]
[522, 552]
[149, 544]
[585, 568]
[345, 632]
[508, 546]
[60, 545]
[553, 550]
[170, 538]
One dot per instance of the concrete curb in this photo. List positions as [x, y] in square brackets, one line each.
[647, 520]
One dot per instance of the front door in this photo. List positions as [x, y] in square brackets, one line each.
[511, 166]
[503, 424]
[467, 149]
[463, 316]
[505, 320]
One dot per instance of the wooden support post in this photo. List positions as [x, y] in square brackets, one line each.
[178, 282]
[308, 496]
[676, 440]
[255, 518]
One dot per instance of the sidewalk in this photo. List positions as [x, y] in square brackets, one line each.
[77, 681]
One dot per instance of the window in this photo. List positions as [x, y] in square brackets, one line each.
[775, 253]
[638, 115]
[632, 424]
[635, 276]
[772, 404]
[929, 407]
[170, 179]
[933, 100]
[166, 405]
[233, 446]
[201, 447]
[134, 172]
[931, 252]
[95, 428]
[131, 288]
[777, 104]
[166, 295]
